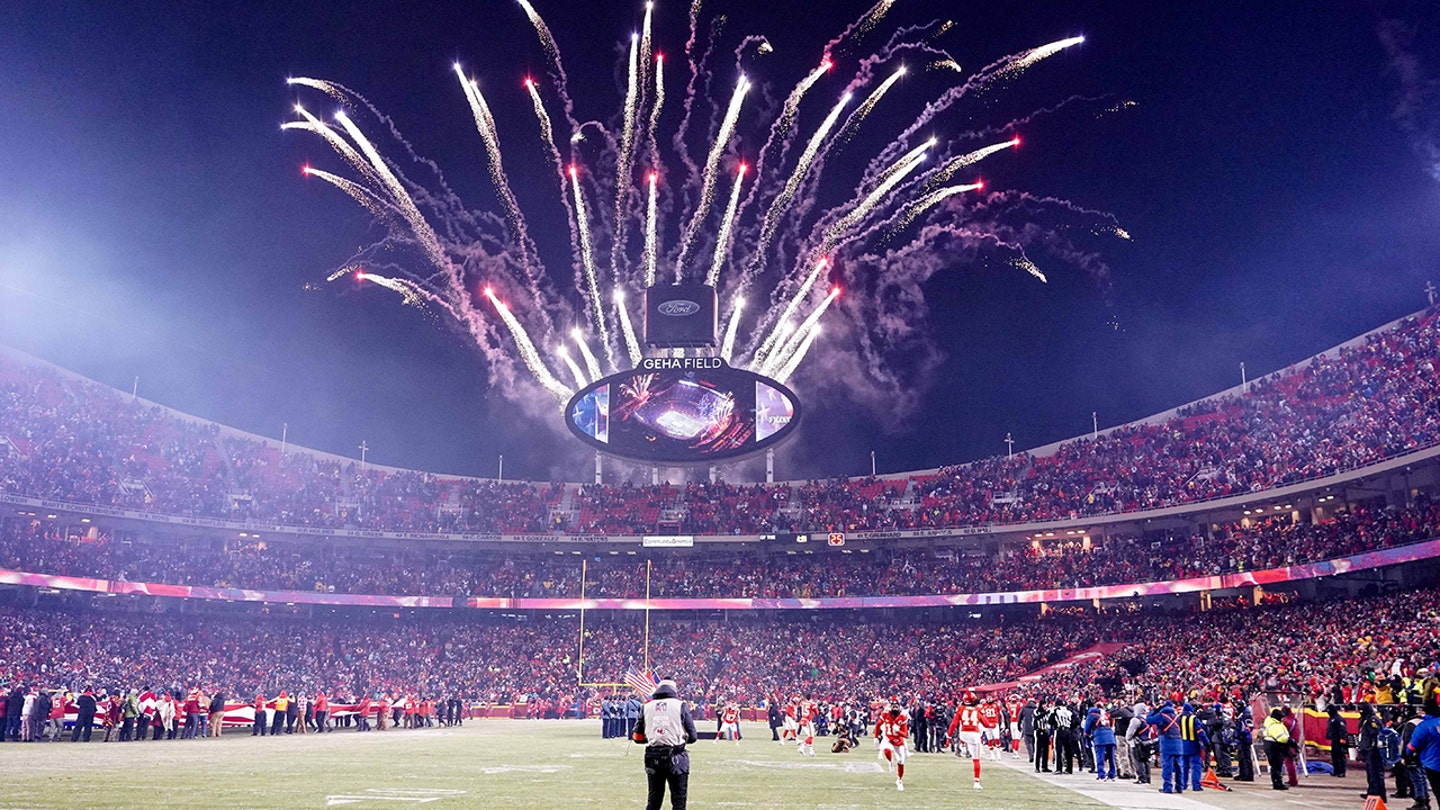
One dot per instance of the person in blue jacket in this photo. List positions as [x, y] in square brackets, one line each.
[1195, 741]
[1101, 731]
[1172, 748]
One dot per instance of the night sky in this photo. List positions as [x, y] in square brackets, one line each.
[1279, 171]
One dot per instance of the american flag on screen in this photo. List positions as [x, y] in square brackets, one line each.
[642, 681]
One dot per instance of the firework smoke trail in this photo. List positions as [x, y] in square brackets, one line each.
[1018, 66]
[625, 160]
[580, 381]
[944, 64]
[651, 240]
[587, 261]
[898, 172]
[547, 135]
[361, 194]
[651, 141]
[591, 364]
[799, 355]
[771, 222]
[528, 355]
[987, 75]
[783, 353]
[339, 144]
[328, 88]
[870, 101]
[712, 164]
[421, 228]
[409, 292]
[1028, 266]
[485, 125]
[920, 206]
[557, 68]
[632, 346]
[727, 346]
[692, 172]
[790, 307]
[722, 242]
[947, 171]
[862, 26]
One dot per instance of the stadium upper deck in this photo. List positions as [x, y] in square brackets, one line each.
[1357, 414]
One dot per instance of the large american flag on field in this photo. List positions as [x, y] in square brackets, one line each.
[642, 681]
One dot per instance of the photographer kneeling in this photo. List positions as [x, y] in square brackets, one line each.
[665, 728]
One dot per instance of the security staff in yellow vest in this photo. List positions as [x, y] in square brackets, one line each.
[1195, 741]
[665, 728]
[1277, 742]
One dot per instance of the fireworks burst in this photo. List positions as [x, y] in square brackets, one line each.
[487, 272]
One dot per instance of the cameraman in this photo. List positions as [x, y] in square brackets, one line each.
[665, 728]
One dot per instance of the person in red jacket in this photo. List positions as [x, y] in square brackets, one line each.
[260, 719]
[322, 708]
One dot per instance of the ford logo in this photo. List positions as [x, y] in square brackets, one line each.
[678, 308]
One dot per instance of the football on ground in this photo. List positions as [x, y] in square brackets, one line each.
[522, 764]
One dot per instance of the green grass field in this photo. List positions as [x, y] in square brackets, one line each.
[520, 764]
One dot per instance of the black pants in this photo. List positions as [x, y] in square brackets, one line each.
[1339, 754]
[127, 729]
[320, 721]
[1374, 774]
[1064, 753]
[1042, 752]
[278, 724]
[259, 726]
[83, 726]
[1223, 761]
[1140, 758]
[662, 771]
[1247, 763]
[1434, 779]
[1275, 753]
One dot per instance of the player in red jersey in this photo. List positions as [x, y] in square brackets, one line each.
[730, 723]
[891, 732]
[1013, 706]
[805, 715]
[792, 725]
[990, 728]
[967, 723]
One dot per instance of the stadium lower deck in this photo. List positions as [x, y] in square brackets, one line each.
[523, 764]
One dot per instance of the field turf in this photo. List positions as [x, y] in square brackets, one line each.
[517, 764]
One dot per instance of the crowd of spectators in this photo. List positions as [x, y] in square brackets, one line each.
[68, 439]
[1300, 649]
[1066, 562]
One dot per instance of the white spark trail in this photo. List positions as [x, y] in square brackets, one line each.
[712, 164]
[781, 356]
[771, 223]
[632, 345]
[902, 168]
[930, 200]
[948, 169]
[789, 310]
[799, 355]
[485, 125]
[580, 381]
[358, 192]
[727, 346]
[587, 261]
[625, 160]
[651, 239]
[421, 228]
[591, 364]
[722, 242]
[528, 355]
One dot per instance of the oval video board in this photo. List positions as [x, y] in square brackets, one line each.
[683, 410]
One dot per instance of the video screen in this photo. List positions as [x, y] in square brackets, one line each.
[683, 416]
